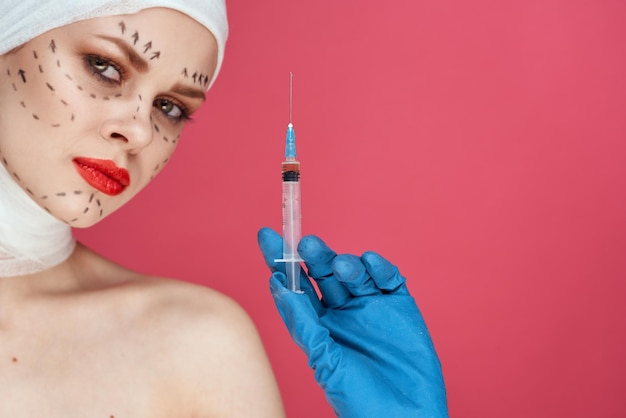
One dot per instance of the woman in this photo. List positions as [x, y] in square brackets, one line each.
[93, 100]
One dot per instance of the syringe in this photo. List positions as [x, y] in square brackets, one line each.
[292, 217]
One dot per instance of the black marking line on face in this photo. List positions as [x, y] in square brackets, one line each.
[147, 47]
[8, 72]
[59, 63]
[199, 78]
[52, 46]
[60, 194]
[135, 37]
[140, 99]
[122, 26]
[106, 98]
[69, 77]
[184, 73]
[50, 87]
[156, 128]
[22, 74]
[35, 55]
[93, 96]
[165, 138]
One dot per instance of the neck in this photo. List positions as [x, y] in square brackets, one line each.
[31, 239]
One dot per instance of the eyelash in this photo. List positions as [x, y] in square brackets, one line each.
[184, 112]
[92, 61]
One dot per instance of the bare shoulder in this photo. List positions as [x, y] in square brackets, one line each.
[202, 348]
[213, 346]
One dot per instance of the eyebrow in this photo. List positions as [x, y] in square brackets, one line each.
[188, 91]
[135, 59]
[141, 65]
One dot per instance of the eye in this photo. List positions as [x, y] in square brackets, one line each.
[104, 69]
[171, 109]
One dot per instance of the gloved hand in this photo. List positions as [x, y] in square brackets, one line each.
[366, 339]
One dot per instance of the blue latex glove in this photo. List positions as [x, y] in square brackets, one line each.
[366, 339]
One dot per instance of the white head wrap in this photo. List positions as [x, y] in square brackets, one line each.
[23, 20]
[31, 239]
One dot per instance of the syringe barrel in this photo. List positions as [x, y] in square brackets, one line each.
[292, 232]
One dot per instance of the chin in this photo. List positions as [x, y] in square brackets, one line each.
[80, 210]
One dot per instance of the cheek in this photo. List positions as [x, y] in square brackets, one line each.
[160, 159]
[37, 86]
[165, 141]
[147, 164]
[50, 88]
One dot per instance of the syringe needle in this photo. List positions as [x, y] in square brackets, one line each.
[290, 98]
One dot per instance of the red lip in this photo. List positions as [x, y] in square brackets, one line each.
[103, 175]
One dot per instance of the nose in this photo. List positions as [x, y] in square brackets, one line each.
[132, 130]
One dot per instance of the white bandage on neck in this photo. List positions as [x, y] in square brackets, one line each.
[31, 239]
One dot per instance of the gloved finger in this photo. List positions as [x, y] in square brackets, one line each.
[386, 276]
[304, 326]
[334, 294]
[351, 272]
[307, 287]
[318, 258]
[271, 246]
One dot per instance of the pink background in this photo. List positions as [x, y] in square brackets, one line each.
[479, 145]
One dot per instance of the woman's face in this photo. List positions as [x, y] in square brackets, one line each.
[92, 111]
